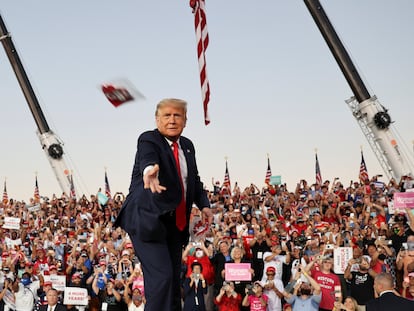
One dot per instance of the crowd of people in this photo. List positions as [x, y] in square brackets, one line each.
[283, 239]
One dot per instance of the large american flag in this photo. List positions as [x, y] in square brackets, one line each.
[268, 172]
[200, 24]
[36, 195]
[107, 188]
[363, 172]
[226, 182]
[5, 196]
[318, 171]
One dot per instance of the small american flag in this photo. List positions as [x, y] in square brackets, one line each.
[107, 188]
[268, 172]
[200, 23]
[226, 182]
[36, 195]
[72, 188]
[5, 196]
[318, 171]
[363, 172]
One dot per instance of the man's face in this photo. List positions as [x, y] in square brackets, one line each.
[171, 121]
[52, 297]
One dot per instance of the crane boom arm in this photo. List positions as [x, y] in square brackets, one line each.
[372, 117]
[48, 140]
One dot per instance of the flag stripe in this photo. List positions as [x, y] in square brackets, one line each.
[318, 171]
[5, 195]
[107, 188]
[268, 172]
[36, 195]
[200, 23]
[363, 172]
[226, 182]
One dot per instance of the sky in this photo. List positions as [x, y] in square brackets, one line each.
[276, 89]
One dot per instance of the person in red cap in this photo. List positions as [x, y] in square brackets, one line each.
[47, 285]
[273, 288]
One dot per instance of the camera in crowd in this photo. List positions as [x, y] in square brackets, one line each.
[301, 241]
[249, 288]
[196, 276]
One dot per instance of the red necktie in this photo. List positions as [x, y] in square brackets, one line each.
[180, 212]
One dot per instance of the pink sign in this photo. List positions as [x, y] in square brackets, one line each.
[403, 200]
[237, 272]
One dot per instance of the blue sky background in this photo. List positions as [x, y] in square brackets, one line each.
[275, 87]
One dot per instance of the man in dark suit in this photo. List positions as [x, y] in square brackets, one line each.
[156, 212]
[387, 297]
[52, 302]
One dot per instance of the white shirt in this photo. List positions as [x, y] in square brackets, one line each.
[26, 296]
[277, 262]
[183, 164]
[274, 303]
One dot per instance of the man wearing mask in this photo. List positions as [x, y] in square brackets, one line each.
[306, 296]
[25, 292]
[134, 301]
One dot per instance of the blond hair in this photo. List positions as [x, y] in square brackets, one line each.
[179, 103]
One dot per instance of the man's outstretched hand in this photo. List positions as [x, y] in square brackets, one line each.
[151, 180]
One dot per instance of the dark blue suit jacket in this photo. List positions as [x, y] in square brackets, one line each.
[142, 209]
[390, 301]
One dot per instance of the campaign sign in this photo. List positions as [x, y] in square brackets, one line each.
[237, 272]
[58, 281]
[341, 257]
[403, 200]
[75, 296]
[11, 223]
[33, 208]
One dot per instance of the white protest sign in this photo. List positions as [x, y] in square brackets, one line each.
[341, 257]
[75, 296]
[33, 208]
[11, 223]
[58, 281]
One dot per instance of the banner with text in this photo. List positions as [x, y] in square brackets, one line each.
[341, 257]
[237, 272]
[75, 296]
[403, 200]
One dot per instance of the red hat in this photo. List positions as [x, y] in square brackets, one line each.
[29, 264]
[271, 269]
[71, 233]
[47, 283]
[129, 245]
[5, 254]
[102, 263]
[52, 267]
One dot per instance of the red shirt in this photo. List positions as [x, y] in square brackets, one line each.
[229, 303]
[327, 281]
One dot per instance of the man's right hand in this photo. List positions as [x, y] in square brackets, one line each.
[151, 180]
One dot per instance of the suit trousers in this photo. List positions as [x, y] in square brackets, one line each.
[161, 266]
